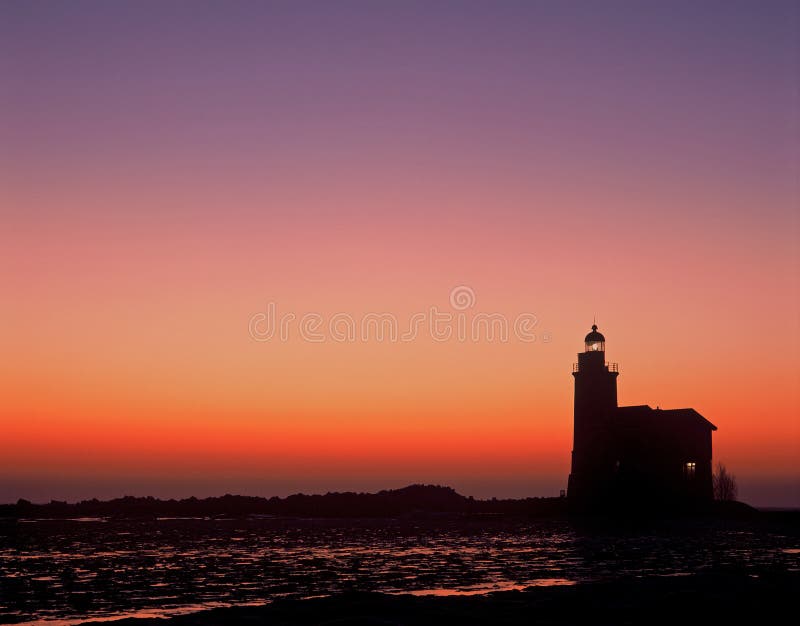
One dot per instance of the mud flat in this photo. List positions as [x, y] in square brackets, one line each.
[700, 598]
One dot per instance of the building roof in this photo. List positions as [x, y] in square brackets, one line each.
[683, 417]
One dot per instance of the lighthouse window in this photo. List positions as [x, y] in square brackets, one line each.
[689, 469]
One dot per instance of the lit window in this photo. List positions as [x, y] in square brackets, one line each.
[689, 469]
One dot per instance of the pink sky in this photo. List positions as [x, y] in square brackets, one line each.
[166, 172]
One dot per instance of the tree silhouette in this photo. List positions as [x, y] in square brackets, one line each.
[725, 487]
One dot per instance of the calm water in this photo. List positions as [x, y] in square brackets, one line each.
[76, 570]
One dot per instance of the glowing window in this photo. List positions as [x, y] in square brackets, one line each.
[689, 469]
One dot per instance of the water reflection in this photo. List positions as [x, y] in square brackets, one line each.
[63, 570]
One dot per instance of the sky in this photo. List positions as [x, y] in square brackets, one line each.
[176, 178]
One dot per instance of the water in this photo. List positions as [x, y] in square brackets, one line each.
[74, 570]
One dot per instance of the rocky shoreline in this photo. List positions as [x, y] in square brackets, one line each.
[702, 598]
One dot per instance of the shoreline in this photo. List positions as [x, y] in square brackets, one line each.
[378, 570]
[721, 595]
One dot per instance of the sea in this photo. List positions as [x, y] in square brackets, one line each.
[68, 571]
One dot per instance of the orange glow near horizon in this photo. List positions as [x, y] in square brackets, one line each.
[146, 220]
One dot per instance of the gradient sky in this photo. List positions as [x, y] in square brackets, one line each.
[168, 169]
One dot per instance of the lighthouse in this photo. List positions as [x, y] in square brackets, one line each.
[632, 455]
[595, 406]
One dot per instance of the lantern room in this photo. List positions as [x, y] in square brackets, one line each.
[595, 342]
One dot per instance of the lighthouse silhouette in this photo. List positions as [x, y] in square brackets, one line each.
[633, 455]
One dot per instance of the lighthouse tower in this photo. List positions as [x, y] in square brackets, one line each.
[593, 456]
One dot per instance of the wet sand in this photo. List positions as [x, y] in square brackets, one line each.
[708, 598]
[397, 571]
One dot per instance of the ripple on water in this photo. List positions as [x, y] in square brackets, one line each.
[139, 567]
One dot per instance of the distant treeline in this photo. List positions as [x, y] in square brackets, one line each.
[409, 500]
